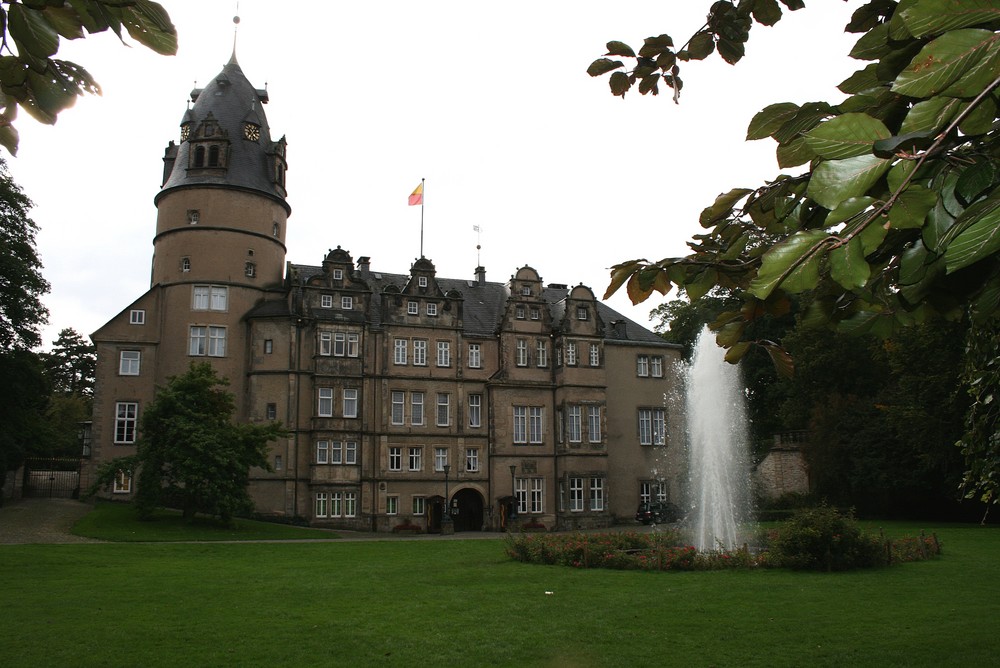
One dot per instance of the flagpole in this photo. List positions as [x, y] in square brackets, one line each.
[422, 198]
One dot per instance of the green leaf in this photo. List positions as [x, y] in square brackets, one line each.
[932, 17]
[910, 209]
[65, 21]
[737, 351]
[701, 45]
[978, 240]
[701, 283]
[872, 237]
[722, 206]
[846, 136]
[648, 84]
[979, 121]
[808, 116]
[794, 153]
[976, 179]
[621, 273]
[862, 80]
[930, 115]
[834, 181]
[910, 143]
[769, 120]
[781, 260]
[148, 24]
[9, 138]
[873, 44]
[848, 266]
[849, 209]
[944, 60]
[620, 49]
[31, 31]
[766, 12]
[603, 66]
[782, 361]
[619, 83]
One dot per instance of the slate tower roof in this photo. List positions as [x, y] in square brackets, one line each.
[225, 140]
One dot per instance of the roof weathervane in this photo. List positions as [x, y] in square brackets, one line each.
[236, 25]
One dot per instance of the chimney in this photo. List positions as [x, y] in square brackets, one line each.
[481, 275]
[364, 265]
[620, 331]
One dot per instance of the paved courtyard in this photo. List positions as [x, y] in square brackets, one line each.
[25, 521]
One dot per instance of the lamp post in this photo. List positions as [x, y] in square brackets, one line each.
[446, 515]
[512, 515]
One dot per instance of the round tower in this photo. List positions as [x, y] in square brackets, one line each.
[221, 210]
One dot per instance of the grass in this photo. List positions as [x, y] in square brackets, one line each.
[446, 602]
[117, 522]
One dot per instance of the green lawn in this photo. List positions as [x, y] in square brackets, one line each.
[451, 603]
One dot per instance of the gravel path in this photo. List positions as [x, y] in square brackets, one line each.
[26, 521]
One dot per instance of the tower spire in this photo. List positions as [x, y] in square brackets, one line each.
[236, 30]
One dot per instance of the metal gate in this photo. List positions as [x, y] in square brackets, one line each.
[51, 478]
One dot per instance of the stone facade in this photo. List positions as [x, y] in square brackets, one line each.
[532, 395]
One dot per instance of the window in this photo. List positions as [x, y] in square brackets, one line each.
[443, 409]
[325, 343]
[519, 312]
[395, 458]
[209, 298]
[520, 424]
[398, 407]
[542, 353]
[391, 505]
[277, 462]
[335, 504]
[422, 281]
[647, 489]
[440, 458]
[185, 264]
[325, 408]
[472, 459]
[656, 366]
[210, 341]
[322, 452]
[534, 313]
[418, 505]
[419, 352]
[475, 410]
[123, 482]
[416, 458]
[275, 230]
[444, 353]
[326, 301]
[595, 355]
[521, 494]
[597, 494]
[576, 495]
[353, 341]
[652, 426]
[642, 366]
[570, 353]
[525, 290]
[594, 424]
[350, 403]
[268, 346]
[347, 303]
[126, 413]
[322, 508]
[338, 274]
[475, 356]
[522, 353]
[432, 309]
[193, 216]
[535, 426]
[336, 452]
[416, 408]
[537, 495]
[351, 452]
[581, 313]
[399, 351]
[250, 269]
[128, 363]
[573, 424]
[271, 411]
[137, 317]
[412, 308]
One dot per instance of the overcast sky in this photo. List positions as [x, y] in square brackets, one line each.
[489, 102]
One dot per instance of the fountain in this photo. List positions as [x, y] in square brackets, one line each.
[720, 488]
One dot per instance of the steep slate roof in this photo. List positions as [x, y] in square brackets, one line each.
[231, 100]
[484, 304]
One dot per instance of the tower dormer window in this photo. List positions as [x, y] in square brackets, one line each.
[526, 291]
[251, 131]
[199, 156]
[185, 131]
[194, 216]
[422, 281]
[213, 156]
[338, 274]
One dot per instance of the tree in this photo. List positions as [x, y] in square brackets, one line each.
[71, 364]
[23, 396]
[894, 220]
[43, 86]
[190, 454]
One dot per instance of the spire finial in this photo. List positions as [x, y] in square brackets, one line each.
[236, 27]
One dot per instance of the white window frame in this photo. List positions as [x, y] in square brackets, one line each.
[521, 353]
[571, 353]
[417, 409]
[353, 344]
[472, 460]
[440, 459]
[419, 352]
[652, 426]
[475, 410]
[338, 274]
[419, 506]
[326, 343]
[576, 495]
[537, 495]
[350, 452]
[339, 344]
[582, 313]
[126, 421]
[137, 316]
[412, 308]
[321, 508]
[336, 452]
[350, 402]
[475, 356]
[595, 355]
[542, 353]
[122, 483]
[521, 494]
[432, 309]
[656, 366]
[594, 424]
[444, 353]
[324, 404]
[596, 494]
[536, 425]
[395, 458]
[392, 504]
[129, 362]
[335, 504]
[326, 301]
[398, 407]
[642, 366]
[322, 452]
[443, 409]
[520, 425]
[399, 347]
[415, 458]
[574, 424]
[347, 302]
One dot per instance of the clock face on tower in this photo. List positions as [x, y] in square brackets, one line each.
[251, 131]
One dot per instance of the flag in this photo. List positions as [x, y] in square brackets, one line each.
[417, 196]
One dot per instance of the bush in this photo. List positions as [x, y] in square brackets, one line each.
[823, 539]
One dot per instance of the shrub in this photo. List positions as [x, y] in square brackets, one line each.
[823, 539]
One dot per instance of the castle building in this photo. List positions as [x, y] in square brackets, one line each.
[411, 400]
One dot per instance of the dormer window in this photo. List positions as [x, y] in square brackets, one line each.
[213, 156]
[581, 313]
[338, 274]
[526, 291]
[432, 309]
[326, 301]
[199, 156]
[185, 131]
[422, 281]
[251, 131]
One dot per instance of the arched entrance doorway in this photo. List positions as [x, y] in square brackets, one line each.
[467, 510]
